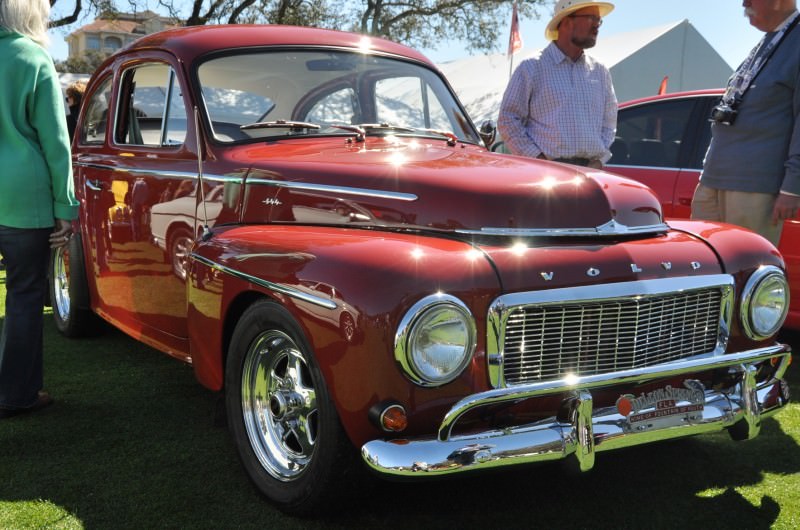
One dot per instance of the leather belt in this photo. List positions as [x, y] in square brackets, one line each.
[577, 161]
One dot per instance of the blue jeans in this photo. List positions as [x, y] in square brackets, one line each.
[26, 253]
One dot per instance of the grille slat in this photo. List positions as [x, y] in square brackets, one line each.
[585, 338]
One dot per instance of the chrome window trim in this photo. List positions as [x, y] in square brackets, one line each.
[504, 305]
[275, 287]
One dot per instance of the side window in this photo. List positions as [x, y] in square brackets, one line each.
[95, 122]
[408, 101]
[150, 109]
[337, 107]
[651, 134]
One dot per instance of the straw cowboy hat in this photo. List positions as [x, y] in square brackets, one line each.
[566, 7]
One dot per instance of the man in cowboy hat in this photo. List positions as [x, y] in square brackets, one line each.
[560, 104]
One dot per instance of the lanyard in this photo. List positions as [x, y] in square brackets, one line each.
[741, 80]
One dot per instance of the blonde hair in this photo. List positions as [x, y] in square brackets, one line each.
[26, 17]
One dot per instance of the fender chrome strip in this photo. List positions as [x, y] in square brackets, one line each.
[276, 287]
[398, 196]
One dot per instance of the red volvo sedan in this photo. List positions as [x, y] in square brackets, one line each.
[661, 141]
[311, 220]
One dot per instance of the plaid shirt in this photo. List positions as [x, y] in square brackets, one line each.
[558, 107]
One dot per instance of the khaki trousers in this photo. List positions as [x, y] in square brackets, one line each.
[748, 209]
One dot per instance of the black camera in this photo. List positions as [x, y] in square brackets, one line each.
[724, 114]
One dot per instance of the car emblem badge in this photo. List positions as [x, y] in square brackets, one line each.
[663, 407]
[547, 276]
[272, 201]
[666, 265]
[635, 268]
[695, 265]
[593, 272]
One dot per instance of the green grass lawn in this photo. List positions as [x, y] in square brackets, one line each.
[130, 443]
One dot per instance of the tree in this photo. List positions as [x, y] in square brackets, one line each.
[85, 64]
[478, 24]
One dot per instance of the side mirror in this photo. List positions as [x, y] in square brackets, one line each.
[488, 131]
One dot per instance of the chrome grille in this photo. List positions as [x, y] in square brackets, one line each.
[548, 341]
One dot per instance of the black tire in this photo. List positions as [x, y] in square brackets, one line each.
[280, 414]
[69, 292]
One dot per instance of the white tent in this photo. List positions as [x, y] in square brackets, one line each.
[638, 62]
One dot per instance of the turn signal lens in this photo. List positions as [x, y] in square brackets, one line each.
[394, 419]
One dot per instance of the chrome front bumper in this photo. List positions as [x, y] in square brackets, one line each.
[588, 430]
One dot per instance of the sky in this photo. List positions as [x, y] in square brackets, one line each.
[720, 22]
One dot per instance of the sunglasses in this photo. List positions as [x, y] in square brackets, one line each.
[596, 19]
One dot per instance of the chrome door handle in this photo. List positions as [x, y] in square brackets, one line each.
[93, 185]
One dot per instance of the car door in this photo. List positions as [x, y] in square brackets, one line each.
[143, 162]
[661, 143]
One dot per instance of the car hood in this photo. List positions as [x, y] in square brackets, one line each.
[430, 185]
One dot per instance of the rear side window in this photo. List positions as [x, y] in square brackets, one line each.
[150, 111]
[95, 122]
[652, 134]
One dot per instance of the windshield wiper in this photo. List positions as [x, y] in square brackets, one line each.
[452, 139]
[288, 124]
[385, 127]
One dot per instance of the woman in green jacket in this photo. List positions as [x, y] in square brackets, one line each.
[37, 201]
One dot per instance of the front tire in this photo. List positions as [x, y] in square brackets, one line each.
[69, 291]
[280, 414]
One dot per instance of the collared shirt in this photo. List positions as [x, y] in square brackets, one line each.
[559, 107]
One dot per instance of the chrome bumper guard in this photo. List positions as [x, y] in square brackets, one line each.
[588, 430]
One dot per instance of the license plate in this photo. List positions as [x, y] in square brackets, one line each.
[663, 407]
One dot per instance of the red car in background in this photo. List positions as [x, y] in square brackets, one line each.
[661, 141]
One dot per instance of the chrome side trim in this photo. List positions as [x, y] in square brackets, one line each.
[612, 228]
[307, 186]
[159, 173]
[586, 430]
[502, 306]
[276, 287]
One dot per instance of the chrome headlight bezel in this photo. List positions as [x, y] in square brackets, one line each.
[422, 314]
[765, 278]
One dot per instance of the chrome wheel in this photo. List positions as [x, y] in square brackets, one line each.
[279, 405]
[180, 249]
[60, 278]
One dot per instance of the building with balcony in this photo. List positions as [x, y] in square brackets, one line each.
[108, 34]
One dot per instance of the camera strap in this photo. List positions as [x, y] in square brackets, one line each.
[747, 72]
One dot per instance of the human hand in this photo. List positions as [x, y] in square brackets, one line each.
[786, 207]
[61, 233]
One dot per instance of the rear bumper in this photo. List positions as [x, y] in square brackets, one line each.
[586, 430]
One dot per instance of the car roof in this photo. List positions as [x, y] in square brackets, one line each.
[194, 41]
[673, 95]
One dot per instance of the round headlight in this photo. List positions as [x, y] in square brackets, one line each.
[435, 340]
[765, 302]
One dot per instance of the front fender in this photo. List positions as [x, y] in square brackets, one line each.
[348, 290]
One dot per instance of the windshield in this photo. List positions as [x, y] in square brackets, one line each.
[270, 95]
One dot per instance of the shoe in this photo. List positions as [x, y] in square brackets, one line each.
[42, 401]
